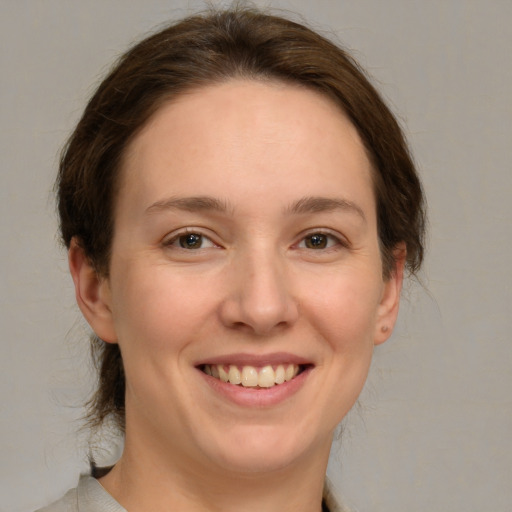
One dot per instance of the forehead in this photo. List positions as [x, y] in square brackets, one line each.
[246, 138]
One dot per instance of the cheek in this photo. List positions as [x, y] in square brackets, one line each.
[345, 316]
[344, 310]
[159, 309]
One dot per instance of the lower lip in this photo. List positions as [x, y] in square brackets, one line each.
[257, 397]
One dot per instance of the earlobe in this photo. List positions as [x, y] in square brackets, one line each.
[92, 293]
[390, 300]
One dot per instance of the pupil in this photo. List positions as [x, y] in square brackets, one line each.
[317, 241]
[190, 241]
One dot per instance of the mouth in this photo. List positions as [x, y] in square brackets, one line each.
[254, 376]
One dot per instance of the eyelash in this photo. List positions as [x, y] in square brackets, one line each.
[330, 240]
[174, 241]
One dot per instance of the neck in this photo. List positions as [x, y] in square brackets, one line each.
[152, 480]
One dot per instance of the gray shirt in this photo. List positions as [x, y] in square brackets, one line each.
[90, 496]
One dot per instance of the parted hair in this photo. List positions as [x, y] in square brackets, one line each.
[202, 50]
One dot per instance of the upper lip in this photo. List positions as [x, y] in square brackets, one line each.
[257, 360]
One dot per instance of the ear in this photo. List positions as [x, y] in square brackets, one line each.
[390, 300]
[92, 293]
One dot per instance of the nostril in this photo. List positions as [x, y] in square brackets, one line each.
[259, 300]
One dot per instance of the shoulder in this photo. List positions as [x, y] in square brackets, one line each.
[331, 502]
[68, 503]
[88, 496]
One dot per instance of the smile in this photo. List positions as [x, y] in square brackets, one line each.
[251, 376]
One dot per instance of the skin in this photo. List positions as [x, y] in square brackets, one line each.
[255, 285]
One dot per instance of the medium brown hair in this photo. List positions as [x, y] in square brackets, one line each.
[199, 51]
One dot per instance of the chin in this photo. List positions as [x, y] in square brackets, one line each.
[263, 449]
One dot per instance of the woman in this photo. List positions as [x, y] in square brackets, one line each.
[239, 207]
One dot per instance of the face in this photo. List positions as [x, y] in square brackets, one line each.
[245, 287]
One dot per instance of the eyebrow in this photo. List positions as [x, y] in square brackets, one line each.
[310, 204]
[190, 204]
[319, 204]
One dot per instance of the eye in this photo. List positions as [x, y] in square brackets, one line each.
[319, 241]
[190, 241]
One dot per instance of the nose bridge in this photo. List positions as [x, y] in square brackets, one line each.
[261, 296]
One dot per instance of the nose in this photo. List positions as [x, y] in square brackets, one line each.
[260, 298]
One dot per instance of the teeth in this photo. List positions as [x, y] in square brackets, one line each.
[266, 377]
[235, 377]
[223, 374]
[249, 377]
[252, 377]
[280, 374]
[290, 372]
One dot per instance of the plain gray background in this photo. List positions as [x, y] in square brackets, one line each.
[434, 425]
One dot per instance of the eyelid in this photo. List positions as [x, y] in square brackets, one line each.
[340, 239]
[170, 239]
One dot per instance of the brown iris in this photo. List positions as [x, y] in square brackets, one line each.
[191, 241]
[316, 241]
